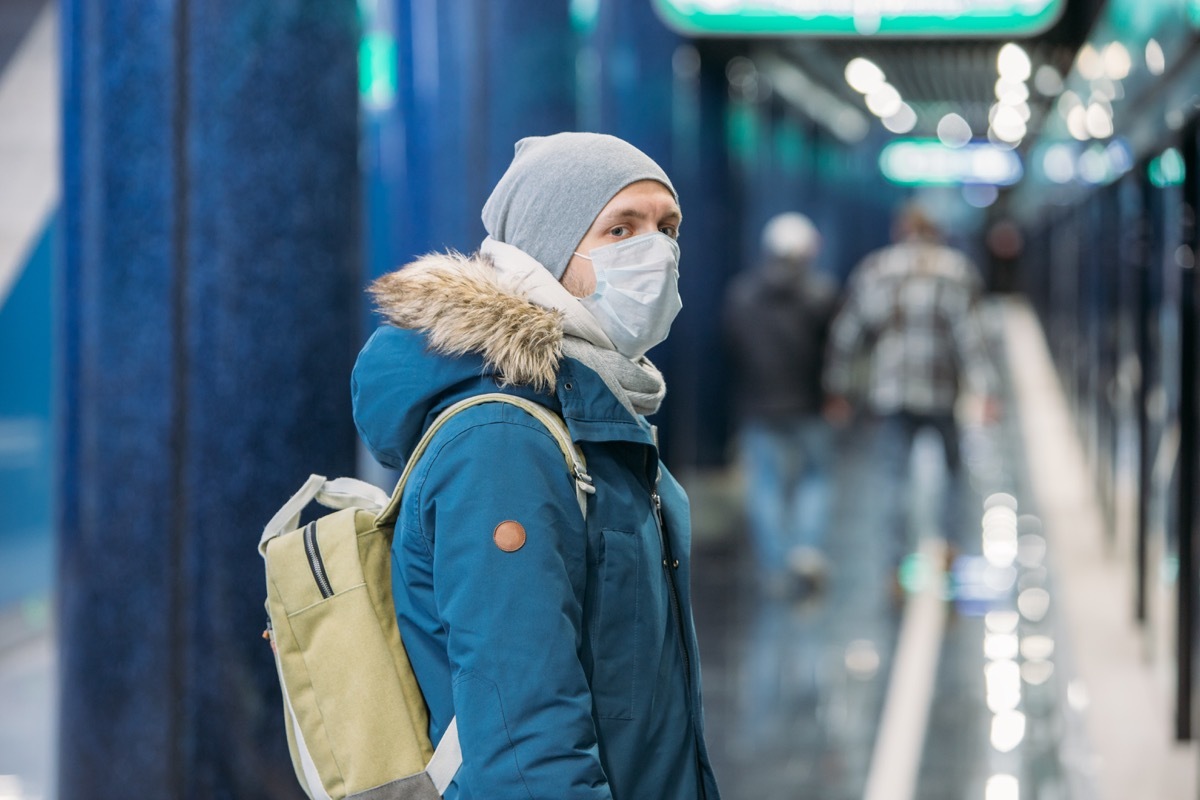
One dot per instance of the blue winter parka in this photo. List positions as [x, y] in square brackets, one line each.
[568, 654]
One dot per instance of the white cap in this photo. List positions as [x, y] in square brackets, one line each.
[791, 235]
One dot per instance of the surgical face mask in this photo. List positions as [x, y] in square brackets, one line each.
[637, 291]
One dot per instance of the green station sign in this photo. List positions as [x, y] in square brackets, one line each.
[928, 162]
[899, 18]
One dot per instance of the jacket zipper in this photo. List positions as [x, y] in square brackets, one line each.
[315, 562]
[670, 564]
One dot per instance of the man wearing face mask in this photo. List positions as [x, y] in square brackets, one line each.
[563, 645]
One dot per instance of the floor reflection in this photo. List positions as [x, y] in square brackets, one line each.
[795, 686]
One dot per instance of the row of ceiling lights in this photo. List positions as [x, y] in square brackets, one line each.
[1092, 118]
[1104, 70]
[1008, 117]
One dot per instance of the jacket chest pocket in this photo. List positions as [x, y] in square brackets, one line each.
[618, 636]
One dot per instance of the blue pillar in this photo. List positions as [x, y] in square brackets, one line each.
[208, 298]
[472, 78]
[696, 416]
[627, 74]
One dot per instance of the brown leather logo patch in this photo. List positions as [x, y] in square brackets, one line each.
[509, 536]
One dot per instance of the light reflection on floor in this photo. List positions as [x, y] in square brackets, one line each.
[794, 689]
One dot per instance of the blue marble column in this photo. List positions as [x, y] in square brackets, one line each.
[471, 78]
[644, 82]
[696, 415]
[208, 305]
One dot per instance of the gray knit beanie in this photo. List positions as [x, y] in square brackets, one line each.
[555, 188]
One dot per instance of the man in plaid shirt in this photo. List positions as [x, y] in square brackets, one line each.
[909, 321]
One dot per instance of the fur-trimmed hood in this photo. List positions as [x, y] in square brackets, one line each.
[460, 325]
[455, 326]
[462, 305]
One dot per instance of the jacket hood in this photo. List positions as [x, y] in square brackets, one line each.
[455, 328]
[463, 306]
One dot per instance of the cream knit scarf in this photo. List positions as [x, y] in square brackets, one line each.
[638, 385]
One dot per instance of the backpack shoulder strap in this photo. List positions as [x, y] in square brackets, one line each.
[572, 454]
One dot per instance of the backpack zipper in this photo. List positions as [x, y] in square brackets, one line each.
[315, 562]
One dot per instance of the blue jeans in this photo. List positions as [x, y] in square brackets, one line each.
[893, 452]
[787, 464]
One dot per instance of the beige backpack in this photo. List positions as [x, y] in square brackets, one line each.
[357, 724]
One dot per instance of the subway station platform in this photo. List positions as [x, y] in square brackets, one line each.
[1022, 676]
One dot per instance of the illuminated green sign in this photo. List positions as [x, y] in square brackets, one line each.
[377, 78]
[928, 162]
[859, 17]
[1168, 169]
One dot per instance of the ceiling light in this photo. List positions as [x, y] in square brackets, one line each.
[1077, 124]
[953, 130]
[884, 101]
[1099, 121]
[1013, 62]
[1047, 80]
[1089, 63]
[1156, 60]
[1011, 92]
[1007, 124]
[863, 75]
[903, 121]
[1058, 163]
[1117, 62]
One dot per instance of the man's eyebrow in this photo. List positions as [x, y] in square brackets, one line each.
[637, 213]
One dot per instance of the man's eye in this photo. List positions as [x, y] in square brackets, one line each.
[618, 231]
[670, 230]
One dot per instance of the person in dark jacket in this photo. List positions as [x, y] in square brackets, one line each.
[776, 322]
[563, 644]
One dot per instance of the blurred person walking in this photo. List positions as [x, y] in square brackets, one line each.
[564, 646]
[776, 323]
[910, 311]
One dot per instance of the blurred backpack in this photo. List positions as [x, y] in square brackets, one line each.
[357, 724]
